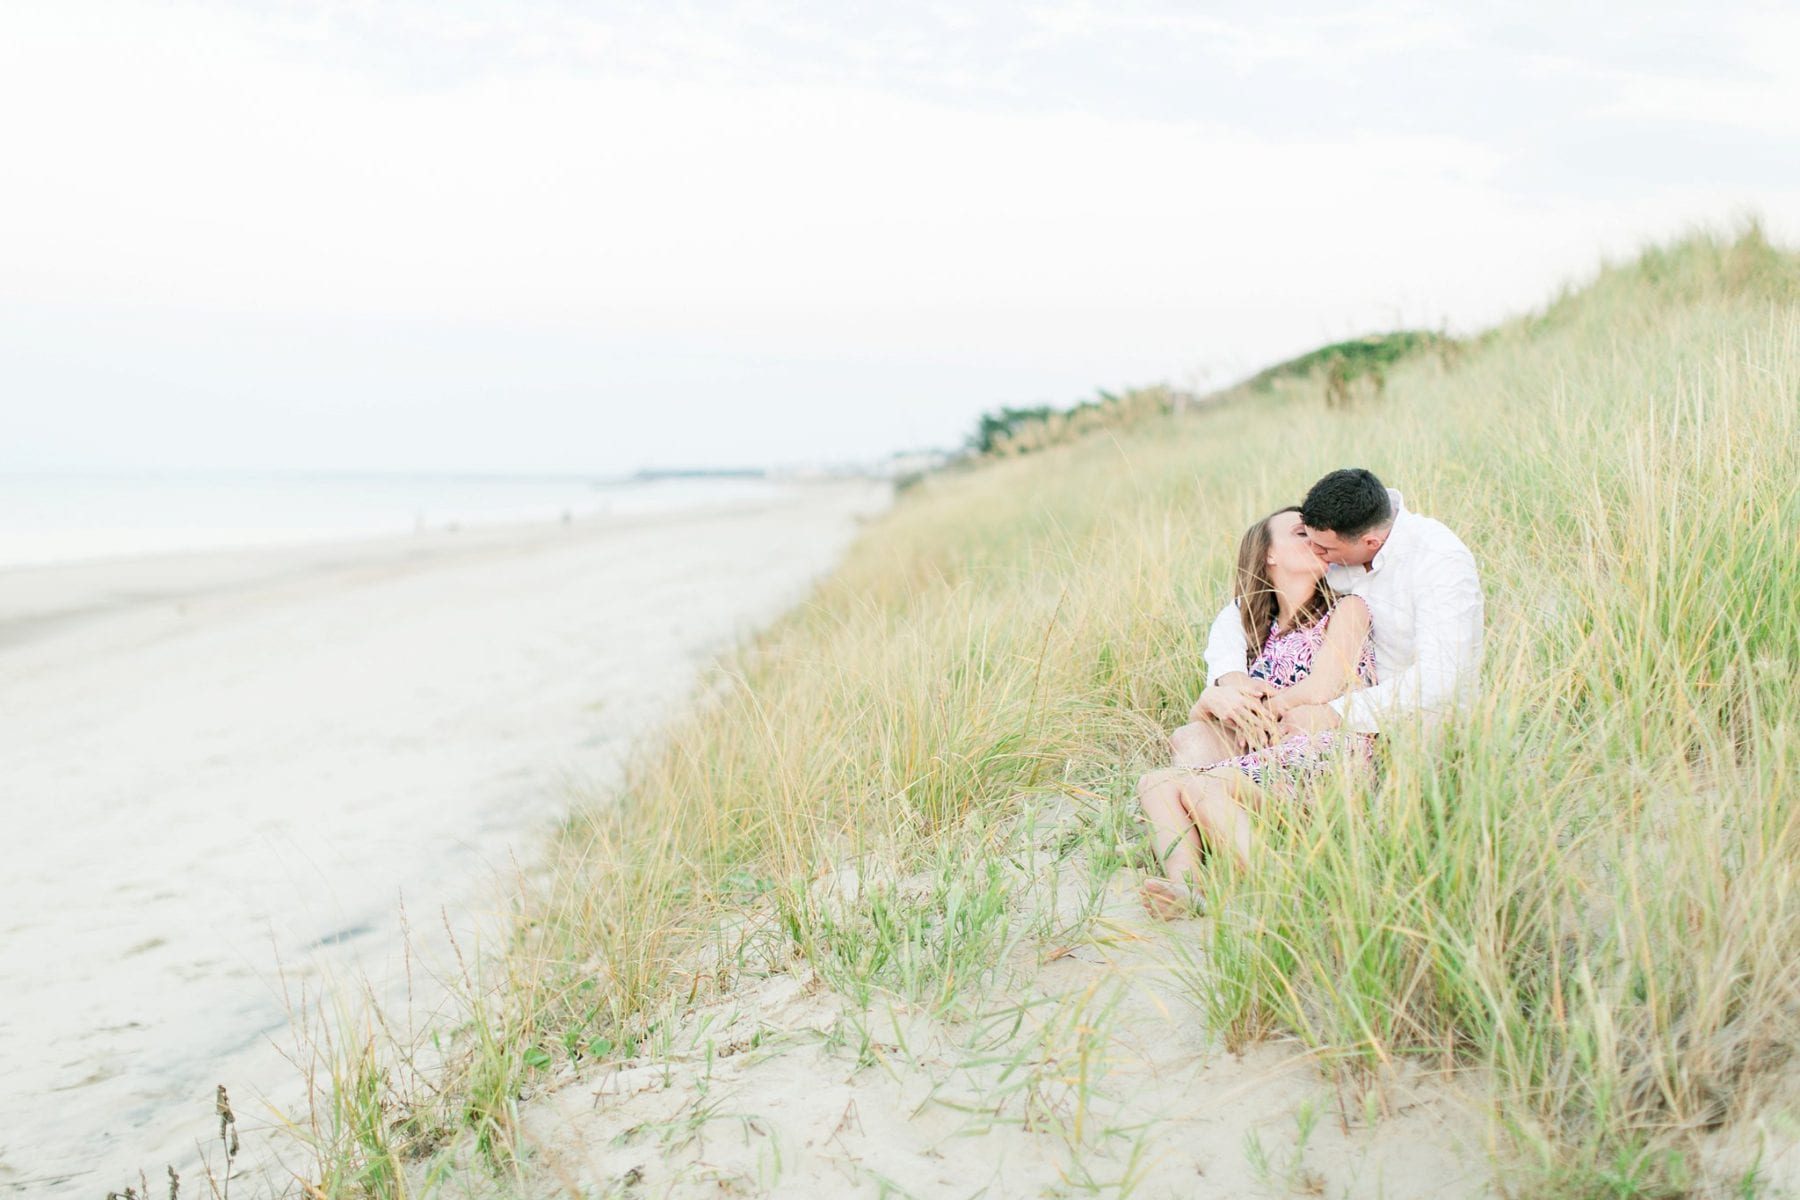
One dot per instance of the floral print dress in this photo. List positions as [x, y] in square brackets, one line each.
[1285, 660]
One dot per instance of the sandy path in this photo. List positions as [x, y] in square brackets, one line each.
[218, 762]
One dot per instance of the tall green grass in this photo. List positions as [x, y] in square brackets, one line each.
[1588, 886]
[1584, 892]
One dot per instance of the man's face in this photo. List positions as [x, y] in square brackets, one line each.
[1352, 552]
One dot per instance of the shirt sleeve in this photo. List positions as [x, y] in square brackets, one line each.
[1447, 625]
[1226, 648]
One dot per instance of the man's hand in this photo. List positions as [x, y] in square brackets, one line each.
[1309, 719]
[1237, 702]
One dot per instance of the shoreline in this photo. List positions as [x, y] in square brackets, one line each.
[268, 748]
[49, 594]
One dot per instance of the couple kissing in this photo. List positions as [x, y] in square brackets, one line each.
[1350, 614]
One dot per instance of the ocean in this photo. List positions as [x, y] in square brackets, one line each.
[67, 517]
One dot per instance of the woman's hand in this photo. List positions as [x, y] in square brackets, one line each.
[1239, 703]
[1230, 700]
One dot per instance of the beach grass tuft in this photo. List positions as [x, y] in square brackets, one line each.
[1582, 897]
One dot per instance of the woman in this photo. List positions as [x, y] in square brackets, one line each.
[1309, 644]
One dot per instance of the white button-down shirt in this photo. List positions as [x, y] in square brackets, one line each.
[1426, 612]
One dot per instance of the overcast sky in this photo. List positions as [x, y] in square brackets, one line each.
[543, 236]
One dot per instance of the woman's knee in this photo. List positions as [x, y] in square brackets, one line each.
[1201, 742]
[1160, 803]
[1232, 784]
[1152, 780]
[1185, 738]
[1200, 799]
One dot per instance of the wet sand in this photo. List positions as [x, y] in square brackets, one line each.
[225, 773]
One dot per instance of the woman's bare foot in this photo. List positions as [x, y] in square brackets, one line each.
[1169, 901]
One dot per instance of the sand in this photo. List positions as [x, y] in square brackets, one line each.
[226, 772]
[1083, 1069]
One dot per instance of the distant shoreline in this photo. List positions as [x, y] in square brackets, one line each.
[40, 597]
[65, 519]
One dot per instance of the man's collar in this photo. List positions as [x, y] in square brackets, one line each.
[1399, 505]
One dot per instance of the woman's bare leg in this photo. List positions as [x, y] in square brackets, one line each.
[1216, 803]
[1191, 813]
[1201, 744]
[1177, 845]
[1177, 842]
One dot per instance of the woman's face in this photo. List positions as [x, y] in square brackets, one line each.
[1291, 554]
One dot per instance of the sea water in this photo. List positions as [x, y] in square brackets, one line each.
[77, 516]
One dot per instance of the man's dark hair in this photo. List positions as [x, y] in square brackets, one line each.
[1349, 503]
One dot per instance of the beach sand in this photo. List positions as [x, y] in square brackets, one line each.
[226, 772]
[1085, 1069]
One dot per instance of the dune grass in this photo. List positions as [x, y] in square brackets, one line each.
[1586, 893]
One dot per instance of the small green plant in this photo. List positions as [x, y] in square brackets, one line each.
[1012, 431]
[1342, 364]
[1285, 1172]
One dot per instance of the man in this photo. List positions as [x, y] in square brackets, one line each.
[1425, 602]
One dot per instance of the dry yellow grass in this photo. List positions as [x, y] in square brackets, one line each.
[1589, 889]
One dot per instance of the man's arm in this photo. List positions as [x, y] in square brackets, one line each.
[1231, 696]
[1448, 614]
[1227, 652]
